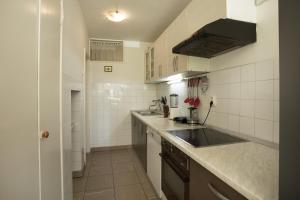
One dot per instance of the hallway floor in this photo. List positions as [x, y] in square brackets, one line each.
[113, 175]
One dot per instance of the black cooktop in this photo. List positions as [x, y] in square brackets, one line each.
[202, 137]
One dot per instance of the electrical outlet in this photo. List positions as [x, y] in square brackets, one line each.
[214, 100]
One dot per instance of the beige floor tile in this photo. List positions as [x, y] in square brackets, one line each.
[119, 151]
[123, 167]
[131, 192]
[125, 178]
[100, 170]
[79, 184]
[99, 183]
[89, 157]
[101, 161]
[78, 196]
[103, 195]
[121, 159]
[87, 171]
[149, 190]
[143, 178]
[101, 153]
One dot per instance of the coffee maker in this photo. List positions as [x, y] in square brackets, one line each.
[174, 110]
[193, 118]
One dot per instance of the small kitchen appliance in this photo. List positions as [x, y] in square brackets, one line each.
[193, 118]
[174, 110]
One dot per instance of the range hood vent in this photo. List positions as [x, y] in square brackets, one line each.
[217, 38]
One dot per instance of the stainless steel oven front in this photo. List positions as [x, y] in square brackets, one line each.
[175, 172]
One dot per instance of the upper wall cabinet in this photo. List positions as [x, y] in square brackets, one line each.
[176, 32]
[163, 63]
[150, 73]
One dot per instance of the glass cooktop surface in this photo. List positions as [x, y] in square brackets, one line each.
[202, 137]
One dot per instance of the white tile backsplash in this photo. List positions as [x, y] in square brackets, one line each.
[109, 110]
[264, 129]
[234, 106]
[264, 109]
[234, 123]
[223, 106]
[221, 120]
[276, 111]
[276, 132]
[247, 108]
[247, 126]
[248, 73]
[235, 91]
[264, 70]
[248, 90]
[235, 75]
[276, 90]
[264, 90]
[246, 95]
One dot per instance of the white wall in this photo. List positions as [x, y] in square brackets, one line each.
[111, 96]
[246, 83]
[74, 42]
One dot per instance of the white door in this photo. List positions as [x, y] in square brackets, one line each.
[19, 177]
[49, 99]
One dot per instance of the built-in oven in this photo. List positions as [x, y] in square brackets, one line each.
[175, 172]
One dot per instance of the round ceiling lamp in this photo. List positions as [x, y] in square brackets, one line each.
[116, 16]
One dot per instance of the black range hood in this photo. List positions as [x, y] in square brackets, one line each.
[217, 38]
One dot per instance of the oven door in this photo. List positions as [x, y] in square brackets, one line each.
[175, 184]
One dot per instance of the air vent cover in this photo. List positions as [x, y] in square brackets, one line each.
[106, 50]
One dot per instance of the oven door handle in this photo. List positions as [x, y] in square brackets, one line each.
[182, 176]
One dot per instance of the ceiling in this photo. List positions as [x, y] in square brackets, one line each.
[147, 19]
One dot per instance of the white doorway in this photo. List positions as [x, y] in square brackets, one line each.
[77, 133]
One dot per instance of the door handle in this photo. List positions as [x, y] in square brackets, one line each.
[45, 134]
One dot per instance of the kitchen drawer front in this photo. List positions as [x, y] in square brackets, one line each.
[206, 186]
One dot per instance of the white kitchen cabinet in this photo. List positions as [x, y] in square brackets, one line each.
[153, 159]
[150, 73]
[182, 63]
[161, 55]
[191, 63]
[147, 66]
[196, 15]
[176, 33]
[152, 61]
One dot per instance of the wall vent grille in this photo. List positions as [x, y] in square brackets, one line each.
[106, 50]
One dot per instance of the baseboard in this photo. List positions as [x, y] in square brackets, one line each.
[95, 149]
[78, 174]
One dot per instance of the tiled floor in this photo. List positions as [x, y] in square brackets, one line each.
[113, 175]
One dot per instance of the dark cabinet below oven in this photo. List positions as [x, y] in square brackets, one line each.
[206, 186]
[139, 139]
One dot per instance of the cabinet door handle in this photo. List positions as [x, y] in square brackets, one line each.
[173, 64]
[159, 71]
[216, 192]
[176, 63]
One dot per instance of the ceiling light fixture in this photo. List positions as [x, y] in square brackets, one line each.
[116, 16]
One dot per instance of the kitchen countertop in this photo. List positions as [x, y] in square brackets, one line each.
[250, 168]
